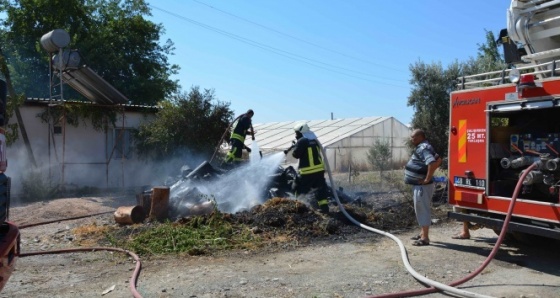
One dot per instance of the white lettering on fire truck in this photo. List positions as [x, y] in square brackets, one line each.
[476, 135]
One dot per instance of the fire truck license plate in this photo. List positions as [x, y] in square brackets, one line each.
[469, 182]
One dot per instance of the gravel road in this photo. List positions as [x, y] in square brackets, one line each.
[358, 265]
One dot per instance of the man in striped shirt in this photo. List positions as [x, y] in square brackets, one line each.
[419, 172]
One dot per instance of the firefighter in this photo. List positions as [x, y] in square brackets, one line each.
[311, 169]
[243, 127]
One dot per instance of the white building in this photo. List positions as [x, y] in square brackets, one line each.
[79, 156]
[346, 141]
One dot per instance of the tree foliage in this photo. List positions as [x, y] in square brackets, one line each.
[379, 156]
[489, 58]
[189, 123]
[432, 86]
[113, 37]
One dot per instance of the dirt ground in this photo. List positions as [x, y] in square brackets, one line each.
[352, 263]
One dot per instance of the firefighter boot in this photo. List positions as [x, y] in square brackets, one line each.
[323, 206]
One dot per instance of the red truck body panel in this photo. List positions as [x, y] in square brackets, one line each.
[488, 125]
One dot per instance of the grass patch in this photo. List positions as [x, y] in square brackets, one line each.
[196, 235]
[91, 234]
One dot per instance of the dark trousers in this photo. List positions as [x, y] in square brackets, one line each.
[236, 151]
[316, 184]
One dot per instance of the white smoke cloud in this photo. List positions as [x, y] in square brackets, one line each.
[239, 189]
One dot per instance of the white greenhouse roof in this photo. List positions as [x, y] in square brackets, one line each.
[279, 135]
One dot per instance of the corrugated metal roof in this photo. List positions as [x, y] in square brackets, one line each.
[93, 87]
[46, 101]
[279, 135]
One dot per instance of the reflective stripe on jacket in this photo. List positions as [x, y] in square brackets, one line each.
[237, 136]
[308, 153]
[240, 130]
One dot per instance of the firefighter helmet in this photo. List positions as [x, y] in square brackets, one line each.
[301, 127]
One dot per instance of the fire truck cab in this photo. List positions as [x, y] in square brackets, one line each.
[502, 122]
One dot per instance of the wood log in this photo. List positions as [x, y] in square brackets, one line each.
[160, 203]
[144, 199]
[128, 215]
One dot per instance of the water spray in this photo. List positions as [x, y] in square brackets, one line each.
[238, 189]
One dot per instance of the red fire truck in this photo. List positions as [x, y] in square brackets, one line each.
[502, 122]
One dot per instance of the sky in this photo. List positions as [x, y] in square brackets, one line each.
[294, 60]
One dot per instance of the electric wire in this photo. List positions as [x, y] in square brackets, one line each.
[283, 53]
[296, 38]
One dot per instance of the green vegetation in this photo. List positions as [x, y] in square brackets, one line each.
[194, 120]
[432, 85]
[135, 63]
[194, 236]
[379, 156]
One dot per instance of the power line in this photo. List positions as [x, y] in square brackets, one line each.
[296, 38]
[280, 52]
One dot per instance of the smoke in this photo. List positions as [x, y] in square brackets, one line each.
[237, 190]
[84, 171]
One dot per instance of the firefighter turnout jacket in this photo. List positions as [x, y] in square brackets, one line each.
[310, 160]
[311, 171]
[241, 129]
[237, 139]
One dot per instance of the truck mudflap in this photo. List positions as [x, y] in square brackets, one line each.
[533, 227]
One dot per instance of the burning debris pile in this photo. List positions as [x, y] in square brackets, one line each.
[256, 199]
[281, 220]
[200, 191]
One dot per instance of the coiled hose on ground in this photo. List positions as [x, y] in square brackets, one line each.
[135, 274]
[435, 286]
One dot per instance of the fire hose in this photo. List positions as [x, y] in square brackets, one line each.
[135, 274]
[435, 286]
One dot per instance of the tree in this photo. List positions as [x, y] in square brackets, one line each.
[432, 86]
[489, 58]
[135, 63]
[379, 156]
[189, 123]
[430, 100]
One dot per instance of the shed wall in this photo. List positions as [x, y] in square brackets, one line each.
[84, 150]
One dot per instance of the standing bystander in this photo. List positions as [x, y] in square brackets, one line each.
[419, 173]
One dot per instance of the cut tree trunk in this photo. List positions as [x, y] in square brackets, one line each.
[160, 203]
[127, 215]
